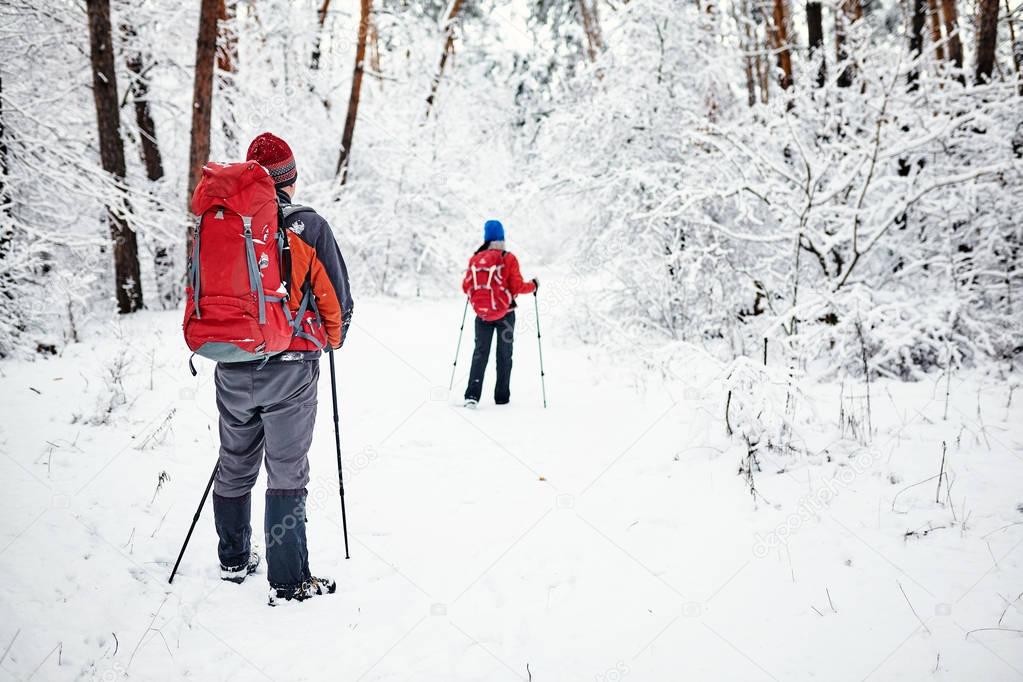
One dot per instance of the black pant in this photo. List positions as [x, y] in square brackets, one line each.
[505, 328]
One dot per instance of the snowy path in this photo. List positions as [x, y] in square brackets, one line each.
[605, 538]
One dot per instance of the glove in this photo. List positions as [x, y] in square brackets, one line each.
[536, 284]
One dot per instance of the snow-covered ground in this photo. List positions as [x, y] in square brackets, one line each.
[608, 537]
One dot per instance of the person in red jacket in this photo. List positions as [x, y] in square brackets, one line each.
[492, 281]
[268, 408]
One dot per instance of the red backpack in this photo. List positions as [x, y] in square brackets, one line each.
[488, 294]
[237, 298]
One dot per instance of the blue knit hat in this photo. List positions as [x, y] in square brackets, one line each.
[493, 231]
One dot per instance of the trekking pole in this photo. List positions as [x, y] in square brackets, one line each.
[454, 365]
[543, 383]
[195, 519]
[337, 442]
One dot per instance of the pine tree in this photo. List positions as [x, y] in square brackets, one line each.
[353, 97]
[591, 26]
[449, 48]
[227, 68]
[780, 42]
[916, 42]
[955, 45]
[987, 38]
[935, 14]
[321, 19]
[815, 33]
[848, 12]
[138, 88]
[1017, 46]
[202, 97]
[5, 207]
[127, 282]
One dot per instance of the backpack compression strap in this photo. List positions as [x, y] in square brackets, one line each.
[195, 266]
[255, 282]
[490, 278]
[308, 303]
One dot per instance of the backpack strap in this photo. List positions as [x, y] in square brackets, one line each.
[195, 266]
[504, 288]
[308, 302]
[288, 210]
[283, 254]
[255, 281]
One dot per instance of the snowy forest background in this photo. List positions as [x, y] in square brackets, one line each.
[844, 180]
[779, 246]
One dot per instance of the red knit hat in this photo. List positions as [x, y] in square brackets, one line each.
[275, 155]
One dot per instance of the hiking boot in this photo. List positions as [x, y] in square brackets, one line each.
[471, 403]
[237, 574]
[307, 589]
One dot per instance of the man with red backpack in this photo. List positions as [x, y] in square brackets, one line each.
[492, 281]
[268, 294]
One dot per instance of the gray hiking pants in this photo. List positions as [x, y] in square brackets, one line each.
[272, 409]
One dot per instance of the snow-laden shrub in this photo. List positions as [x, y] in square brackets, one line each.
[829, 214]
[759, 403]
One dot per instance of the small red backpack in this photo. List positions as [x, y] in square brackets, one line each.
[237, 292]
[488, 294]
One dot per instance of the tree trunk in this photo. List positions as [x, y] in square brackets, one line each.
[849, 11]
[591, 26]
[6, 229]
[763, 64]
[987, 38]
[373, 47]
[321, 17]
[128, 284]
[815, 31]
[202, 99]
[936, 37]
[780, 42]
[227, 37]
[916, 42]
[6, 222]
[353, 97]
[749, 46]
[955, 45]
[449, 47]
[5, 202]
[139, 90]
[227, 67]
[151, 159]
[751, 84]
[1016, 45]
